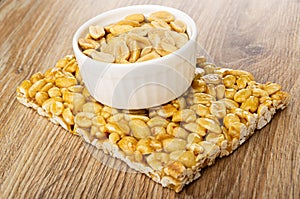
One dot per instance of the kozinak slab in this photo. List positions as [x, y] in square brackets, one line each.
[170, 143]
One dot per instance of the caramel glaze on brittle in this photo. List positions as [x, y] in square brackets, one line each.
[170, 143]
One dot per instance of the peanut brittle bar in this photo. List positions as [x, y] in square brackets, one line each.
[170, 143]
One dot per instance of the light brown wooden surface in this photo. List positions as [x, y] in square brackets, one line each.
[40, 160]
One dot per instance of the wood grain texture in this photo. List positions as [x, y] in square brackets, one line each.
[41, 160]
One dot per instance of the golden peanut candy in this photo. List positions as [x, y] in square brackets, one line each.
[257, 92]
[124, 127]
[92, 107]
[211, 90]
[180, 132]
[154, 163]
[74, 98]
[229, 93]
[195, 128]
[47, 104]
[188, 159]
[119, 29]
[242, 95]
[175, 155]
[138, 157]
[210, 149]
[229, 81]
[114, 128]
[139, 128]
[251, 104]
[242, 81]
[88, 44]
[76, 88]
[212, 79]
[194, 138]
[236, 128]
[128, 144]
[65, 82]
[277, 96]
[61, 63]
[108, 111]
[220, 91]
[166, 111]
[96, 32]
[173, 144]
[156, 144]
[152, 55]
[229, 103]
[37, 86]
[170, 128]
[238, 73]
[215, 138]
[68, 116]
[196, 148]
[57, 108]
[199, 85]
[162, 156]
[178, 26]
[157, 121]
[138, 117]
[162, 15]
[54, 92]
[114, 137]
[229, 119]
[135, 17]
[47, 87]
[179, 103]
[99, 134]
[218, 109]
[209, 124]
[71, 66]
[84, 119]
[272, 88]
[209, 68]
[185, 115]
[24, 87]
[175, 169]
[115, 118]
[143, 146]
[156, 130]
[234, 143]
[41, 97]
[36, 77]
[98, 121]
[203, 98]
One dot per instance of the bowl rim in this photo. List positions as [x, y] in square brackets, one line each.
[85, 25]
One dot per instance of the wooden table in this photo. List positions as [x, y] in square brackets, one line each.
[41, 160]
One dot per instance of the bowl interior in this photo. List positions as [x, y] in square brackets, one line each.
[115, 15]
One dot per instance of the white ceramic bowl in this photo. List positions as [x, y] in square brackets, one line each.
[138, 85]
